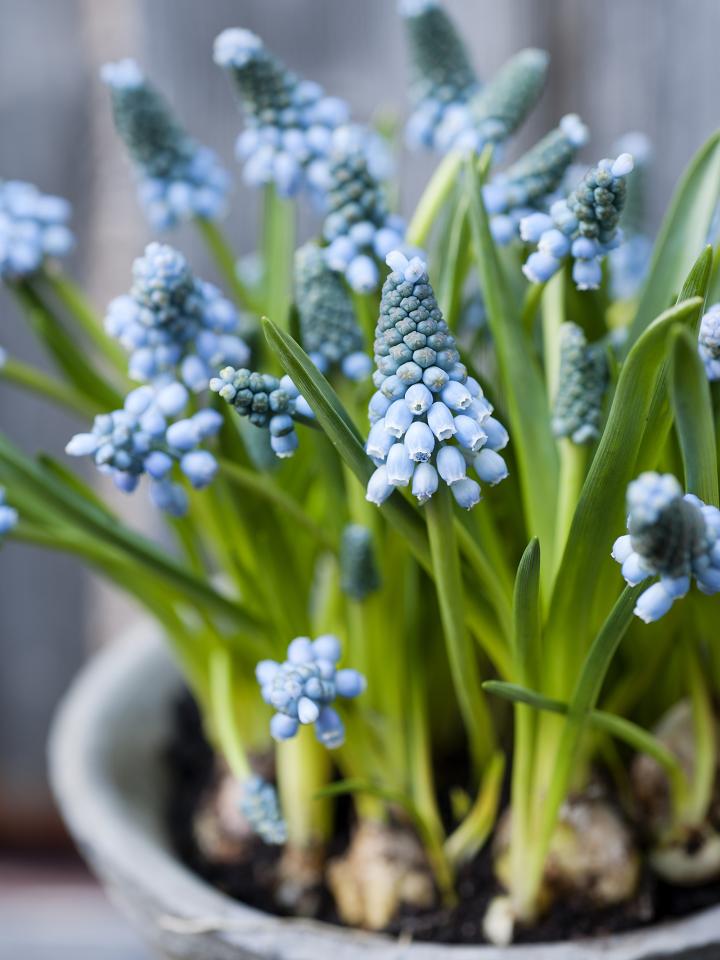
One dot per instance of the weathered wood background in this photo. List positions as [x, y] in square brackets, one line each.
[622, 64]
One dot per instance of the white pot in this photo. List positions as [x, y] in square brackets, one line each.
[109, 778]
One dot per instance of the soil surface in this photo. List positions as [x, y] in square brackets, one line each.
[190, 759]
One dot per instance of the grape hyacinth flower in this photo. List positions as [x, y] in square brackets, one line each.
[8, 515]
[139, 440]
[328, 325]
[527, 184]
[430, 420]
[496, 112]
[259, 805]
[583, 227]
[581, 387]
[289, 121]
[630, 261]
[709, 342]
[302, 688]
[174, 325]
[33, 226]
[670, 536]
[442, 75]
[359, 574]
[178, 178]
[267, 402]
[358, 226]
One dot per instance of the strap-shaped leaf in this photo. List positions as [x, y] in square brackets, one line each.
[692, 407]
[683, 233]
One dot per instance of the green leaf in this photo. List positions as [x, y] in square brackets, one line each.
[583, 583]
[682, 234]
[692, 407]
[524, 391]
[526, 615]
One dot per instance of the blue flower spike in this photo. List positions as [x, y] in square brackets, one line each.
[8, 515]
[303, 687]
[267, 403]
[260, 807]
[583, 227]
[178, 179]
[430, 421]
[33, 227]
[672, 536]
[328, 325]
[709, 342]
[139, 440]
[442, 76]
[174, 325]
[289, 121]
[582, 382]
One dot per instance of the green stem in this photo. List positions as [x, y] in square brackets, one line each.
[461, 653]
[466, 842]
[27, 377]
[531, 302]
[436, 193]
[303, 770]
[366, 311]
[224, 713]
[703, 776]
[552, 295]
[224, 258]
[278, 251]
[573, 463]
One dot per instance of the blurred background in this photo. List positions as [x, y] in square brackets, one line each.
[649, 65]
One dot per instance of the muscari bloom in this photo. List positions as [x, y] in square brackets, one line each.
[267, 402]
[328, 325]
[581, 387]
[302, 688]
[144, 437]
[359, 574]
[178, 179]
[33, 226]
[630, 261]
[289, 121]
[672, 536]
[709, 342]
[430, 420]
[583, 227]
[174, 325]
[528, 184]
[358, 226]
[442, 75]
[8, 515]
[259, 805]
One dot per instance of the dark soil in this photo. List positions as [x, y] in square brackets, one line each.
[191, 769]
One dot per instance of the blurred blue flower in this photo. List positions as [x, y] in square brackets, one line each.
[709, 342]
[33, 226]
[8, 515]
[178, 179]
[259, 805]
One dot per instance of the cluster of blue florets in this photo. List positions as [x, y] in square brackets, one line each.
[139, 440]
[442, 75]
[670, 535]
[709, 342]
[267, 402]
[583, 227]
[178, 178]
[259, 805]
[302, 688]
[328, 324]
[530, 183]
[358, 226]
[33, 226]
[582, 382]
[289, 121]
[630, 261]
[174, 325]
[430, 420]
[8, 515]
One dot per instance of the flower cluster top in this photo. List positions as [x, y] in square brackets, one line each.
[266, 402]
[33, 226]
[174, 325]
[302, 688]
[672, 536]
[709, 341]
[138, 440]
[328, 325]
[583, 227]
[289, 121]
[630, 261]
[442, 75]
[178, 178]
[582, 383]
[259, 805]
[430, 420]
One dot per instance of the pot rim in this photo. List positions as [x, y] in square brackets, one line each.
[130, 853]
